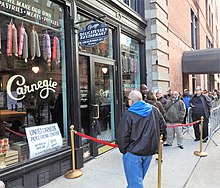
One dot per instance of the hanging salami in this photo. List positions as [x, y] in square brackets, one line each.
[44, 48]
[21, 41]
[15, 40]
[9, 39]
[54, 55]
[25, 47]
[58, 51]
[32, 44]
[37, 45]
[48, 47]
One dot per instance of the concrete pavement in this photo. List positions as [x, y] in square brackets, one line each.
[180, 169]
[207, 170]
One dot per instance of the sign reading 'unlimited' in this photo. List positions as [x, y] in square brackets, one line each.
[94, 33]
[43, 139]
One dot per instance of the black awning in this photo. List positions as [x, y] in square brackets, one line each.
[201, 61]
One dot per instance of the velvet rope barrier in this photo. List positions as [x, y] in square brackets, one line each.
[95, 139]
[183, 125]
[19, 134]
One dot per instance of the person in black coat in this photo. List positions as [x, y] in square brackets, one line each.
[138, 137]
[201, 105]
[58, 109]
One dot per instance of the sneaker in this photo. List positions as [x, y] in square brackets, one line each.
[197, 139]
[205, 140]
[167, 144]
[181, 147]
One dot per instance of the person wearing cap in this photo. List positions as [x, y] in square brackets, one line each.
[138, 135]
[201, 105]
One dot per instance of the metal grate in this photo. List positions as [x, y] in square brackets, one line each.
[43, 178]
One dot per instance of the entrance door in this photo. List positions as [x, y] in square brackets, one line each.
[97, 102]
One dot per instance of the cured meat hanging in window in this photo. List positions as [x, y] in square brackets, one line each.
[56, 50]
[9, 39]
[46, 47]
[21, 40]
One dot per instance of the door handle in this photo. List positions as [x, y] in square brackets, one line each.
[95, 111]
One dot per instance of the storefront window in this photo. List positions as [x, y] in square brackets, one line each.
[104, 48]
[32, 79]
[130, 65]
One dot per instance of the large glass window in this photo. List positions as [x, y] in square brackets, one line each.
[104, 48]
[137, 6]
[208, 43]
[130, 65]
[32, 78]
[193, 30]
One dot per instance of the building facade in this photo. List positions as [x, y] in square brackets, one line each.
[173, 28]
[71, 62]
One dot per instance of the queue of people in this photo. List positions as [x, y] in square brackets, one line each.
[147, 118]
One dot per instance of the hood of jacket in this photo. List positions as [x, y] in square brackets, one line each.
[141, 108]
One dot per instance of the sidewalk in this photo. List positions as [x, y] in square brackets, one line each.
[180, 169]
[207, 171]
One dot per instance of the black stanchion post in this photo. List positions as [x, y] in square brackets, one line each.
[74, 173]
[201, 153]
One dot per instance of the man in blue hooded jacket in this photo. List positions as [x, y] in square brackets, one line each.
[138, 137]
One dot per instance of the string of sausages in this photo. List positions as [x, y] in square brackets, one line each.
[17, 44]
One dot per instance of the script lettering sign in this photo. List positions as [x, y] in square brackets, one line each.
[44, 86]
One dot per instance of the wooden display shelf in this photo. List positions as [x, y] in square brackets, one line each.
[10, 116]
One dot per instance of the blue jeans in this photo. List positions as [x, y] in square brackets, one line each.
[135, 168]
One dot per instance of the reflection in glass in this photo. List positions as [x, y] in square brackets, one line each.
[130, 65]
[84, 103]
[104, 98]
[101, 110]
[32, 109]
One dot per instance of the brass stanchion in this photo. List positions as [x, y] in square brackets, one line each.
[200, 152]
[160, 160]
[74, 173]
